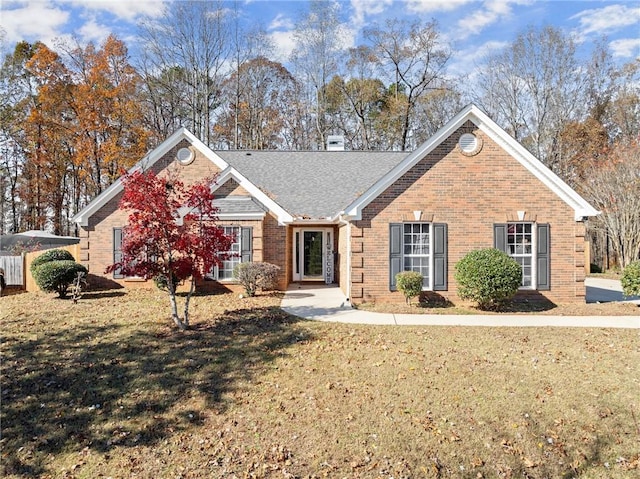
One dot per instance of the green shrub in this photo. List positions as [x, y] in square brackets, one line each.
[57, 276]
[256, 275]
[630, 279]
[51, 255]
[489, 277]
[409, 283]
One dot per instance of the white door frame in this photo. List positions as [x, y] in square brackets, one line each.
[327, 254]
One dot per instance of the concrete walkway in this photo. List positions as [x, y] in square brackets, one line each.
[328, 303]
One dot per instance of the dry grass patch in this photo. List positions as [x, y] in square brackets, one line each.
[107, 388]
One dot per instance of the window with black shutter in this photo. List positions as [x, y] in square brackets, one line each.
[420, 247]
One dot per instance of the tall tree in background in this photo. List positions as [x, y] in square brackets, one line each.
[16, 99]
[534, 88]
[613, 187]
[109, 133]
[318, 38]
[183, 63]
[254, 120]
[49, 150]
[69, 125]
[109, 130]
[413, 57]
[355, 99]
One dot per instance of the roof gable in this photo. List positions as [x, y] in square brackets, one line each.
[159, 152]
[472, 113]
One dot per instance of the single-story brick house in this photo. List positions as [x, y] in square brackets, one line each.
[356, 218]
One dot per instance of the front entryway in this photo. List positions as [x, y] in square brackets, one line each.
[313, 254]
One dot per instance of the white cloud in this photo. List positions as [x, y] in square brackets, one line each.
[32, 21]
[436, 5]
[125, 9]
[364, 8]
[465, 61]
[601, 21]
[284, 44]
[491, 12]
[281, 22]
[626, 47]
[94, 32]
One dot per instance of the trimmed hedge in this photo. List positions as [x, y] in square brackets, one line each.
[256, 275]
[57, 276]
[409, 283]
[51, 255]
[630, 279]
[489, 277]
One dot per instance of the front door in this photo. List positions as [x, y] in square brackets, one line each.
[313, 254]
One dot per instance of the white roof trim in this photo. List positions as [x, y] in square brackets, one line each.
[580, 206]
[82, 217]
[231, 173]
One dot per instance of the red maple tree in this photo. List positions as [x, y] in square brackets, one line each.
[171, 234]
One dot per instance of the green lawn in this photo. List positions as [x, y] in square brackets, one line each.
[108, 388]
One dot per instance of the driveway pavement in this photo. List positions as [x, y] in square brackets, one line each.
[600, 290]
[328, 303]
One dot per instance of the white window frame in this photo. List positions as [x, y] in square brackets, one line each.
[517, 249]
[235, 257]
[429, 255]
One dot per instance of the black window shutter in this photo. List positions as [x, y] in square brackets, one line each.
[395, 253]
[543, 258]
[246, 241]
[500, 237]
[117, 251]
[439, 256]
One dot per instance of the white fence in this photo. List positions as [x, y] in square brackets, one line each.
[13, 270]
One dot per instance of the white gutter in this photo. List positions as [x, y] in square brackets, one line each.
[342, 221]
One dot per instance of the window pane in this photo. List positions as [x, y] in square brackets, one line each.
[416, 249]
[225, 270]
[520, 247]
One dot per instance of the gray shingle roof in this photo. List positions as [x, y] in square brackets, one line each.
[233, 205]
[314, 184]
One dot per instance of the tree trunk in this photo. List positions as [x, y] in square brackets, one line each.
[192, 288]
[174, 308]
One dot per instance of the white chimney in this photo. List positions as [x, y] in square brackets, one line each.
[335, 143]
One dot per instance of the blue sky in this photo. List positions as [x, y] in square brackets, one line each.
[473, 27]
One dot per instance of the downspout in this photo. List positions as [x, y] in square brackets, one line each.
[342, 221]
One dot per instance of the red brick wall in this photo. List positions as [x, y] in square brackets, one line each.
[96, 244]
[276, 247]
[470, 194]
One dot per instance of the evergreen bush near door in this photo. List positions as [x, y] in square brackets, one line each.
[410, 284]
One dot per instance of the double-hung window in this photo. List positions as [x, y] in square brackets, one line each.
[225, 270]
[520, 248]
[417, 249]
[420, 247]
[240, 252]
[527, 243]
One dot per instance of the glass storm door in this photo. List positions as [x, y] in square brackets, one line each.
[312, 254]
